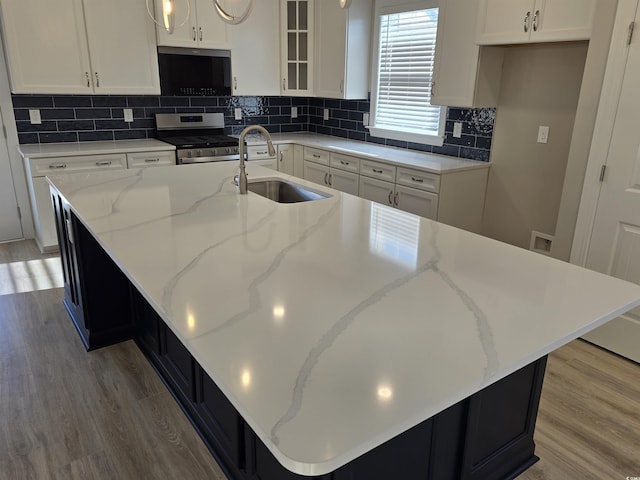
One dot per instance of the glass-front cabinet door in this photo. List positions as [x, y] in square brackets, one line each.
[297, 47]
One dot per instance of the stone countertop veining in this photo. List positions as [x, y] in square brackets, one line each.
[401, 157]
[333, 325]
[46, 150]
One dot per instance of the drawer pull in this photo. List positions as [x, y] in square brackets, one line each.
[377, 171]
[342, 162]
[261, 153]
[315, 155]
[326, 181]
[391, 197]
[57, 166]
[418, 180]
[151, 160]
[104, 163]
[395, 199]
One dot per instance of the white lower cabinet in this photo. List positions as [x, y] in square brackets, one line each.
[38, 168]
[259, 155]
[404, 198]
[332, 169]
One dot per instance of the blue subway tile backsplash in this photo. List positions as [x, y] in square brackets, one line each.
[84, 118]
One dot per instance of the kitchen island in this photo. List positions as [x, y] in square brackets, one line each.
[336, 338]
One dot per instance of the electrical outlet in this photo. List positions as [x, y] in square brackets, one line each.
[457, 129]
[543, 134]
[128, 115]
[541, 242]
[326, 114]
[294, 112]
[34, 117]
[365, 119]
[238, 113]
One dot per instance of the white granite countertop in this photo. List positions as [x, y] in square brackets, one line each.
[46, 150]
[428, 162]
[333, 325]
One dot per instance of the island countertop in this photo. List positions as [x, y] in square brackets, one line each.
[332, 325]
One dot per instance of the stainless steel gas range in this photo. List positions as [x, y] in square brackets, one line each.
[198, 137]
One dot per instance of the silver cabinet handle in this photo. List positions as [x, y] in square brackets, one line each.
[419, 180]
[284, 84]
[86, 74]
[341, 86]
[97, 80]
[433, 89]
[526, 22]
[193, 30]
[315, 155]
[200, 31]
[282, 156]
[104, 163]
[235, 83]
[376, 171]
[326, 176]
[342, 162]
[331, 179]
[391, 197]
[536, 18]
[395, 199]
[57, 166]
[149, 160]
[261, 153]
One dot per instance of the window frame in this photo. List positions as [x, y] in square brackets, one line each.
[389, 7]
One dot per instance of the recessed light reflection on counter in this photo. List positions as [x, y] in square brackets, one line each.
[191, 320]
[245, 378]
[385, 393]
[278, 313]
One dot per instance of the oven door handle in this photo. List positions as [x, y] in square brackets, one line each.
[218, 158]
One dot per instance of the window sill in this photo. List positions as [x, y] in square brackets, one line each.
[434, 140]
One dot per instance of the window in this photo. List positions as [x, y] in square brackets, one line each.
[401, 100]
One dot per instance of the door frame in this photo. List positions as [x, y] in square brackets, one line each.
[603, 131]
[15, 159]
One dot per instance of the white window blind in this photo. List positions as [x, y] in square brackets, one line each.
[406, 57]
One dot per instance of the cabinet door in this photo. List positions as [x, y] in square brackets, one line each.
[255, 51]
[562, 20]
[297, 44]
[417, 202]
[212, 31]
[346, 182]
[285, 159]
[43, 219]
[183, 35]
[376, 190]
[46, 46]
[122, 47]
[298, 161]
[504, 21]
[316, 173]
[331, 48]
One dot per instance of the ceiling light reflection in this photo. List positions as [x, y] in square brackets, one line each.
[385, 393]
[245, 378]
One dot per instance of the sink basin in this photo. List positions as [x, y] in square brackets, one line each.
[284, 192]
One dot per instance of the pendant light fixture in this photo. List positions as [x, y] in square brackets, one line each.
[169, 15]
[344, 3]
[233, 18]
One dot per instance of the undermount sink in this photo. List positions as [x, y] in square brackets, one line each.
[284, 192]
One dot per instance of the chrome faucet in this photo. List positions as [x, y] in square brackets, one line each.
[242, 178]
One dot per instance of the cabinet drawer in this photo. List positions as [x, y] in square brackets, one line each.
[150, 159]
[416, 179]
[345, 162]
[317, 155]
[257, 152]
[40, 167]
[378, 170]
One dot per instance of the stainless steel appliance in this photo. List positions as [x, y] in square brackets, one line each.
[189, 71]
[198, 137]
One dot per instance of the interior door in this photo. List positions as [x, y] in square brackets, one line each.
[615, 242]
[10, 228]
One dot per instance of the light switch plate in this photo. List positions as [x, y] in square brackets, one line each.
[457, 129]
[34, 117]
[365, 119]
[238, 113]
[294, 112]
[128, 115]
[326, 114]
[543, 134]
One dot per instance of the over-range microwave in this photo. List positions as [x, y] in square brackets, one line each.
[190, 71]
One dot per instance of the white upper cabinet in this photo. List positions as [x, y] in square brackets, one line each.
[343, 38]
[523, 21]
[202, 29]
[464, 74]
[50, 50]
[255, 51]
[122, 48]
[297, 46]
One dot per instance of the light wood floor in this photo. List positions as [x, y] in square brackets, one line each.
[68, 414]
